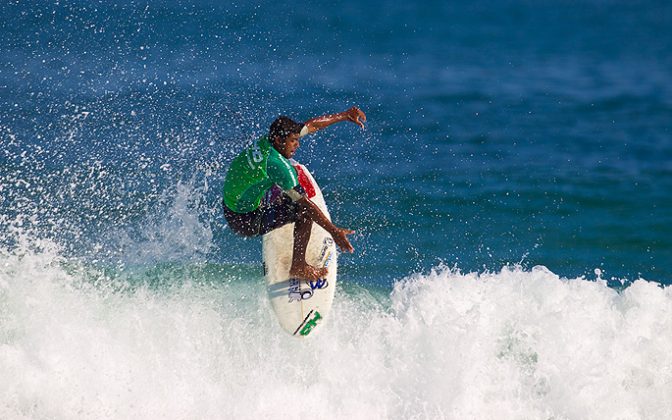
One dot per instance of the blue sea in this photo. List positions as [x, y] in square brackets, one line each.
[511, 196]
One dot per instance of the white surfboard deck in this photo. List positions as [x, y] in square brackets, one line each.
[301, 306]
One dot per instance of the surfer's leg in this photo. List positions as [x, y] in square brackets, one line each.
[243, 224]
[300, 268]
[282, 211]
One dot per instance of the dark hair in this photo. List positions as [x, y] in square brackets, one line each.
[282, 127]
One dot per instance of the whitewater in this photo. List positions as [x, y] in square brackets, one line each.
[514, 344]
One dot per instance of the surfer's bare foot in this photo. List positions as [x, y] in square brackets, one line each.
[307, 272]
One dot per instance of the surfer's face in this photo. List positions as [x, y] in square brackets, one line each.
[288, 146]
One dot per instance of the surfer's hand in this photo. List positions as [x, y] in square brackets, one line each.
[356, 115]
[340, 237]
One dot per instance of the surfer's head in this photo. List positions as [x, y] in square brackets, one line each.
[284, 135]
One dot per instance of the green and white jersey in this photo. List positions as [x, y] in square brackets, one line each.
[253, 172]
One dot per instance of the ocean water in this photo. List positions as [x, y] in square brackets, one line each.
[511, 197]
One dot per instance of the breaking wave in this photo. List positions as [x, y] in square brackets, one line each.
[199, 341]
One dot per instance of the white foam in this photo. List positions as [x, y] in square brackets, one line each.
[514, 344]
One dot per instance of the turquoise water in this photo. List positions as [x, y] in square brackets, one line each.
[510, 196]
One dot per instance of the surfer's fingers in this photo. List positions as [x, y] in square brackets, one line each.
[361, 114]
[345, 246]
[349, 249]
[355, 119]
[356, 115]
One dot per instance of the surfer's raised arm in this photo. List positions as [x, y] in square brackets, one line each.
[353, 114]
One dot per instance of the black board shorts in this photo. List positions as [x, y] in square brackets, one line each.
[270, 215]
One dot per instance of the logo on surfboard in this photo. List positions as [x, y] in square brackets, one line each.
[296, 294]
[307, 325]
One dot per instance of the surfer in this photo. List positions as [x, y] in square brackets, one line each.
[262, 191]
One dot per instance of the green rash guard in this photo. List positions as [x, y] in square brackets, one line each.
[253, 172]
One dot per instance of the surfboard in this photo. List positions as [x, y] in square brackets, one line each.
[300, 306]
